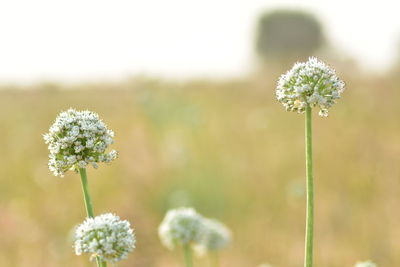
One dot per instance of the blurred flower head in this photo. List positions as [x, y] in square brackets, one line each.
[365, 264]
[76, 139]
[105, 236]
[214, 236]
[182, 226]
[310, 83]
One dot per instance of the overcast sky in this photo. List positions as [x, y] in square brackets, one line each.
[75, 40]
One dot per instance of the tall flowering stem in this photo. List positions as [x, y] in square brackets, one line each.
[88, 205]
[182, 227]
[75, 140]
[308, 261]
[311, 84]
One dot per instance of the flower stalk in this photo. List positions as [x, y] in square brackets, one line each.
[308, 261]
[308, 85]
[89, 206]
[86, 195]
[188, 255]
[75, 140]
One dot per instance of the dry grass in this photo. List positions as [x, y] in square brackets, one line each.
[228, 149]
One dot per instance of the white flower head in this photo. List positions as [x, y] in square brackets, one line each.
[310, 83]
[365, 264]
[105, 236]
[77, 139]
[215, 236]
[182, 226]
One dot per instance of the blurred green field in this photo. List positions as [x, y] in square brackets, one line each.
[226, 148]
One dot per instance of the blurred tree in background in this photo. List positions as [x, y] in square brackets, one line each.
[288, 35]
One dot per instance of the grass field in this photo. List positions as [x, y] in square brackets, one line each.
[226, 148]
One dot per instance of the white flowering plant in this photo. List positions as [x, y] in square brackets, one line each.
[181, 226]
[311, 83]
[215, 236]
[189, 229]
[77, 139]
[307, 85]
[105, 236]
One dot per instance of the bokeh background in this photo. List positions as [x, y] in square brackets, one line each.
[192, 104]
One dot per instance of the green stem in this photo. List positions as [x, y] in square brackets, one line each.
[308, 261]
[100, 263]
[89, 205]
[188, 255]
[86, 195]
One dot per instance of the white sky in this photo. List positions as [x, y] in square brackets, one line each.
[75, 40]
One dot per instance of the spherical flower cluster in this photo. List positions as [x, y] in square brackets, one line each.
[184, 226]
[365, 264]
[76, 139]
[215, 236]
[181, 226]
[310, 83]
[105, 236]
